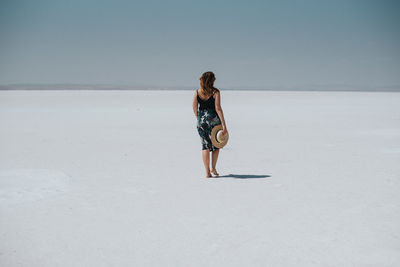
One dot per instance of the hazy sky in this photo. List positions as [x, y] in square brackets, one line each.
[170, 43]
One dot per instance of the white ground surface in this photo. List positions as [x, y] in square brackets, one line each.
[115, 178]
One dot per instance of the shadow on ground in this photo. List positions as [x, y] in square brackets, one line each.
[243, 176]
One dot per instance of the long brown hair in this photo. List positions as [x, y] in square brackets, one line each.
[207, 82]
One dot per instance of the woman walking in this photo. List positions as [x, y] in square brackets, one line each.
[208, 111]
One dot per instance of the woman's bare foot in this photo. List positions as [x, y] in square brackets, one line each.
[208, 175]
[214, 171]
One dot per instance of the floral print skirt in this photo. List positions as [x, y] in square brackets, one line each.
[206, 120]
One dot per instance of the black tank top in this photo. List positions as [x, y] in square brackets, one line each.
[206, 104]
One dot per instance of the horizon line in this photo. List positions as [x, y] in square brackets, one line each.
[116, 86]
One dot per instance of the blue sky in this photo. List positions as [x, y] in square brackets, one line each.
[170, 43]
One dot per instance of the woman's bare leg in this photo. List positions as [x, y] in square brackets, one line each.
[206, 161]
[214, 159]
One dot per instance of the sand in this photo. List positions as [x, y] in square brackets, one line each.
[115, 178]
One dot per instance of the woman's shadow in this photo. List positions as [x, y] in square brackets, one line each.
[243, 176]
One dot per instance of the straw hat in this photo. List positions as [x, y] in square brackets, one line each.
[217, 138]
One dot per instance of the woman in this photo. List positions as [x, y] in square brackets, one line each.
[208, 111]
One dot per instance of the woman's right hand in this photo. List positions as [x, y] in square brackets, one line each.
[224, 130]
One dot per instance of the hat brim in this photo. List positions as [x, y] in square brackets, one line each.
[214, 139]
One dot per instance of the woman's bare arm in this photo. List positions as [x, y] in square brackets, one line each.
[219, 109]
[195, 104]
